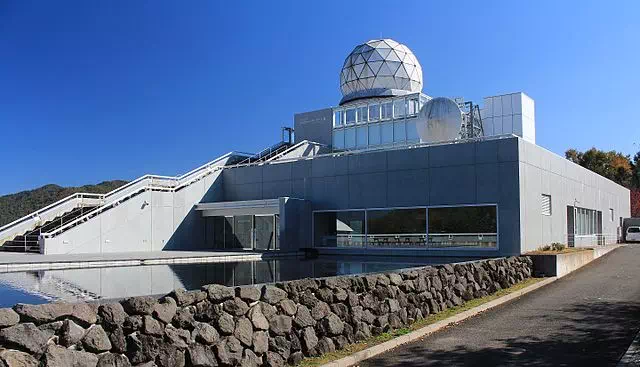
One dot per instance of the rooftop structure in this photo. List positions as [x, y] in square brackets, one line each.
[380, 68]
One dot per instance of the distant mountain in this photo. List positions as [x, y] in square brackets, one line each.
[18, 205]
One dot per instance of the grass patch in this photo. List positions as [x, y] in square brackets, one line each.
[431, 319]
[567, 250]
[556, 248]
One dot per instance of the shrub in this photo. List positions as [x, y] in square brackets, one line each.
[545, 248]
[558, 246]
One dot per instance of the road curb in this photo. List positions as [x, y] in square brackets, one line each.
[417, 334]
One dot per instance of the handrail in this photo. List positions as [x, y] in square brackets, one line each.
[273, 149]
[209, 167]
[292, 148]
[147, 180]
[78, 195]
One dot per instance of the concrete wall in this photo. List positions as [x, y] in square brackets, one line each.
[543, 172]
[150, 221]
[314, 126]
[452, 174]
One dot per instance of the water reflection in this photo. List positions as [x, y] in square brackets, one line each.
[121, 282]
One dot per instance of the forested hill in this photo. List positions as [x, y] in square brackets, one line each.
[18, 205]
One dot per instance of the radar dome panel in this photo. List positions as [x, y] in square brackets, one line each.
[439, 120]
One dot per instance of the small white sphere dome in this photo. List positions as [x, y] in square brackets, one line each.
[440, 119]
[381, 67]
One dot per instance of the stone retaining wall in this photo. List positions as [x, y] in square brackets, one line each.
[222, 326]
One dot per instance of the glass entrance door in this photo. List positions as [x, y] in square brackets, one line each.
[243, 231]
[264, 232]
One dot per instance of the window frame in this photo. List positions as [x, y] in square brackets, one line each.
[355, 115]
[612, 216]
[399, 102]
[376, 107]
[585, 222]
[359, 119]
[426, 248]
[386, 107]
[340, 115]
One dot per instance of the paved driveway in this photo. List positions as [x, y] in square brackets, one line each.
[588, 318]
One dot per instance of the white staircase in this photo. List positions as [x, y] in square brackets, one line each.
[102, 203]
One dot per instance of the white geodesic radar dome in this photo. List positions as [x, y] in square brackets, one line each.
[381, 67]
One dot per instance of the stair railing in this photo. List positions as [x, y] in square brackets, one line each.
[273, 149]
[30, 221]
[147, 182]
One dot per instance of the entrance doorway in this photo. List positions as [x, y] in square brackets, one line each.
[245, 232]
[264, 238]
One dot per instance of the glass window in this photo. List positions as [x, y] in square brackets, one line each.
[338, 139]
[229, 238]
[218, 232]
[396, 227]
[387, 133]
[399, 131]
[611, 214]
[374, 112]
[350, 138]
[362, 137]
[337, 118]
[338, 229]
[387, 110]
[633, 230]
[412, 131]
[363, 114]
[374, 134]
[585, 222]
[351, 116]
[412, 106]
[399, 109]
[468, 226]
[242, 229]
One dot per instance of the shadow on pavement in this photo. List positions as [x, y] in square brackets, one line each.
[596, 333]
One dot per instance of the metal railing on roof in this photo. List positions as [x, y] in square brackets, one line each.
[267, 153]
[390, 147]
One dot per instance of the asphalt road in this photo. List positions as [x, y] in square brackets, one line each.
[588, 318]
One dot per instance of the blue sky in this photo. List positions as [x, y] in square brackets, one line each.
[98, 90]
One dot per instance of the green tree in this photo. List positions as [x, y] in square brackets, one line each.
[573, 155]
[635, 180]
[612, 164]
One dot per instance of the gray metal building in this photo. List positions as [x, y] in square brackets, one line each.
[539, 197]
[389, 171]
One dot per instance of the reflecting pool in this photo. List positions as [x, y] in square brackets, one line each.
[121, 282]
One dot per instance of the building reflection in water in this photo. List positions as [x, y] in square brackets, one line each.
[121, 282]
